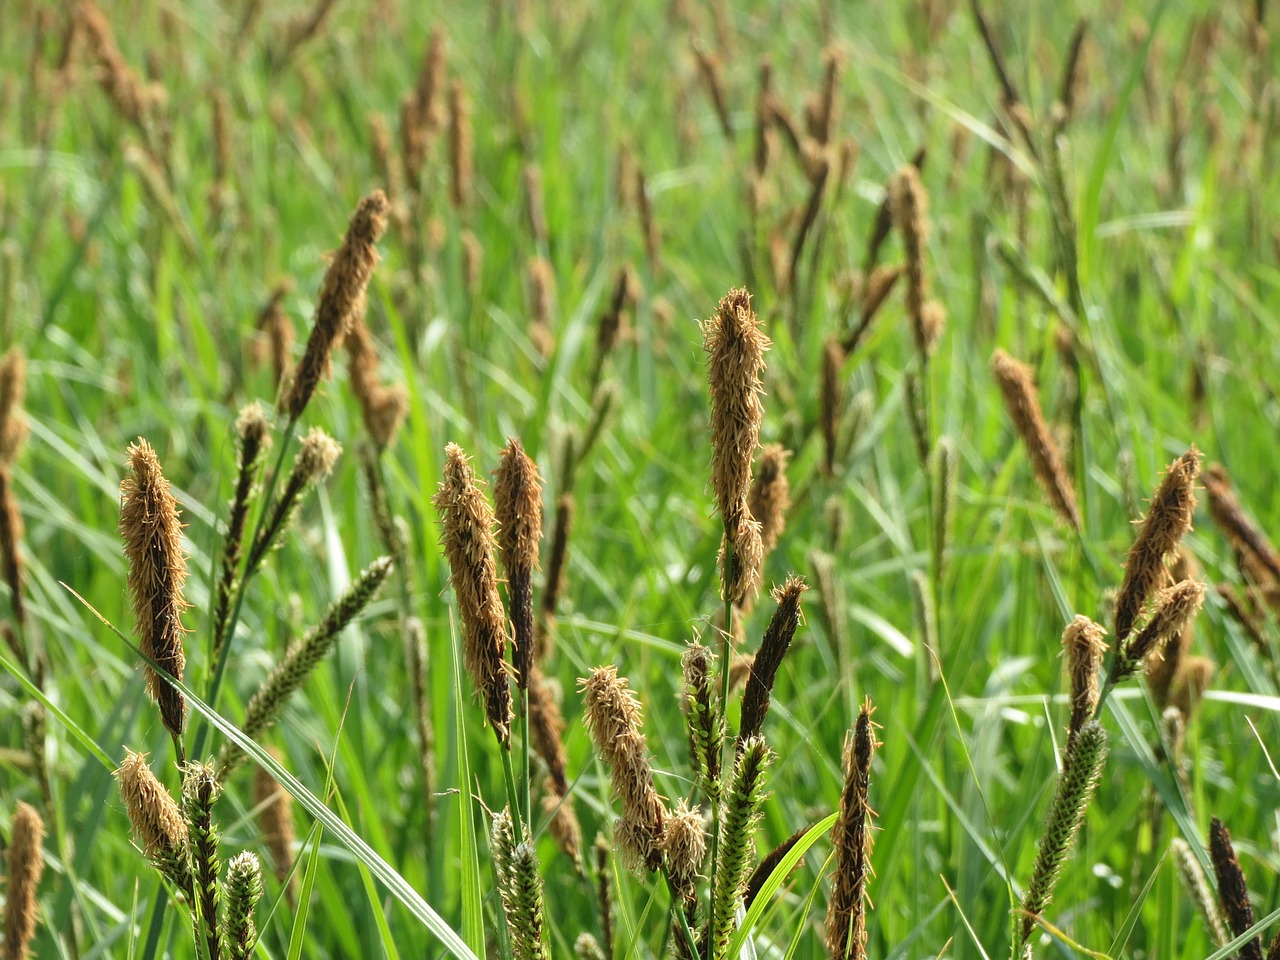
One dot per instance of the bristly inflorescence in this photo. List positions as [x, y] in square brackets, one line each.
[25, 863]
[735, 347]
[152, 534]
[244, 890]
[469, 546]
[705, 717]
[157, 820]
[777, 641]
[517, 495]
[739, 813]
[1084, 646]
[847, 908]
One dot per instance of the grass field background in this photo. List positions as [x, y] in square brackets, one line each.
[136, 305]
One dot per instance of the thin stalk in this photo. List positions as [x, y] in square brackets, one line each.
[726, 647]
[677, 909]
[508, 772]
[524, 766]
[220, 668]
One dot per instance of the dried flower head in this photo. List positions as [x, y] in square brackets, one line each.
[769, 498]
[613, 717]
[1168, 520]
[909, 205]
[156, 818]
[1246, 536]
[152, 534]
[685, 844]
[383, 407]
[1175, 609]
[469, 546]
[275, 819]
[546, 728]
[342, 296]
[13, 422]
[460, 146]
[26, 863]
[1022, 400]
[777, 641]
[1084, 645]
[517, 495]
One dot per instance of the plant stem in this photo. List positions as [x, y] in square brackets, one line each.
[512, 796]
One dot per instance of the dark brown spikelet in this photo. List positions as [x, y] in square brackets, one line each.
[542, 284]
[1163, 666]
[517, 495]
[847, 909]
[469, 546]
[13, 422]
[1084, 646]
[1167, 521]
[460, 146]
[777, 640]
[1022, 400]
[764, 869]
[710, 69]
[251, 429]
[769, 498]
[735, 347]
[26, 863]
[152, 534]
[342, 295]
[10, 538]
[275, 818]
[1233, 892]
[156, 818]
[613, 717]
[557, 562]
[1245, 535]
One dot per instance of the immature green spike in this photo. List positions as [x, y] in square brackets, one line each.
[1081, 770]
[200, 791]
[244, 890]
[738, 816]
[301, 658]
[705, 719]
[520, 887]
[1197, 887]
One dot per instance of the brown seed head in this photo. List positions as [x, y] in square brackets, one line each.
[10, 537]
[1084, 646]
[317, 455]
[517, 494]
[382, 407]
[13, 422]
[847, 909]
[276, 335]
[156, 817]
[460, 147]
[909, 205]
[275, 818]
[1167, 522]
[1243, 533]
[152, 534]
[830, 400]
[469, 546]
[546, 729]
[26, 863]
[1191, 683]
[685, 844]
[342, 296]
[1023, 403]
[777, 641]
[1175, 609]
[1233, 891]
[562, 821]
[770, 495]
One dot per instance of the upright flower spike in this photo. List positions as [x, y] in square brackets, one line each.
[1168, 520]
[517, 495]
[705, 717]
[909, 206]
[1022, 400]
[847, 909]
[1233, 891]
[777, 641]
[200, 791]
[152, 534]
[26, 863]
[1176, 608]
[739, 813]
[157, 820]
[244, 890]
[735, 347]
[770, 496]
[520, 888]
[613, 718]
[1082, 641]
[342, 296]
[316, 457]
[467, 521]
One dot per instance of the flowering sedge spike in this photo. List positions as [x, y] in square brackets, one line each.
[460, 146]
[469, 546]
[301, 658]
[11, 566]
[157, 820]
[383, 407]
[251, 428]
[685, 843]
[739, 813]
[546, 728]
[520, 888]
[1022, 400]
[152, 534]
[1233, 891]
[1175, 610]
[275, 335]
[562, 822]
[847, 909]
[1168, 520]
[1164, 664]
[613, 718]
[517, 495]
[1084, 646]
[735, 347]
[315, 460]
[777, 641]
[26, 863]
[244, 890]
[704, 716]
[1197, 886]
[200, 791]
[1081, 770]
[342, 294]
[909, 206]
[557, 562]
[1245, 535]
[13, 422]
[769, 498]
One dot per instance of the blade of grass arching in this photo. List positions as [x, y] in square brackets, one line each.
[73, 728]
[1232, 948]
[807, 910]
[1121, 939]
[472, 900]
[298, 933]
[776, 880]
[951, 895]
[1092, 200]
[394, 882]
[379, 916]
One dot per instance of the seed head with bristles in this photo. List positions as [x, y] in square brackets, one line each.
[777, 641]
[200, 791]
[909, 205]
[1175, 609]
[847, 909]
[520, 887]
[612, 716]
[517, 495]
[244, 890]
[1197, 887]
[383, 407]
[156, 818]
[685, 844]
[13, 422]
[1233, 891]
[546, 729]
[275, 818]
[469, 546]
[735, 347]
[152, 534]
[769, 498]
[1084, 646]
[315, 461]
[562, 821]
[739, 814]
[1022, 400]
[342, 296]
[26, 863]
[1245, 535]
[1168, 520]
